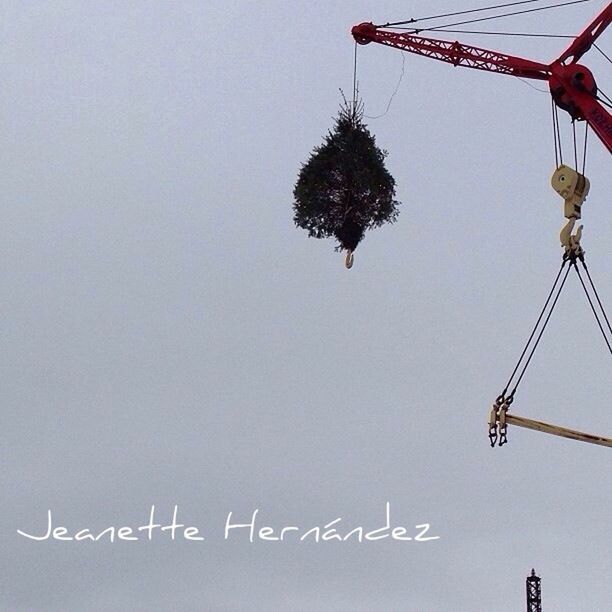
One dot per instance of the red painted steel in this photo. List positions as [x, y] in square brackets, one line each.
[572, 85]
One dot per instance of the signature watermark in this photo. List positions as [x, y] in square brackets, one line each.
[248, 529]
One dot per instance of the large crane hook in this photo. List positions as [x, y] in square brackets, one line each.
[573, 187]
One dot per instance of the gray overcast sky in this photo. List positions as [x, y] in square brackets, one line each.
[170, 338]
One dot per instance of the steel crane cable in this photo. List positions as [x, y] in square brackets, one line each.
[584, 152]
[356, 86]
[480, 19]
[598, 302]
[575, 144]
[488, 32]
[584, 148]
[610, 60]
[608, 104]
[535, 346]
[502, 397]
[535, 329]
[607, 101]
[533, 10]
[554, 126]
[556, 134]
[355, 79]
[441, 15]
[593, 309]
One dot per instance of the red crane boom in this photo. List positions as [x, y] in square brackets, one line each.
[572, 85]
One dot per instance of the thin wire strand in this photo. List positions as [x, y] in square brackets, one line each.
[603, 310]
[593, 309]
[609, 101]
[552, 308]
[535, 327]
[608, 104]
[533, 10]
[559, 133]
[442, 15]
[532, 86]
[554, 126]
[575, 145]
[605, 96]
[556, 120]
[584, 152]
[480, 19]
[397, 86]
[506, 33]
[355, 80]
[610, 60]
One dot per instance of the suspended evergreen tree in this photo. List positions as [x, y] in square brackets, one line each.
[344, 188]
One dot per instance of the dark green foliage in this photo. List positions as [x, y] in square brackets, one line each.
[349, 234]
[344, 188]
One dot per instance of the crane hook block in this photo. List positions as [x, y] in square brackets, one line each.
[573, 187]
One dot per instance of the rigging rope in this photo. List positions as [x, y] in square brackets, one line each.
[532, 86]
[593, 308]
[596, 295]
[552, 308]
[397, 86]
[575, 145]
[442, 15]
[552, 112]
[506, 33]
[572, 259]
[605, 96]
[584, 153]
[498, 416]
[503, 393]
[608, 104]
[480, 19]
[610, 60]
[556, 134]
[355, 80]
[607, 101]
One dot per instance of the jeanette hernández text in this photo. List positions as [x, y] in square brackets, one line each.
[248, 529]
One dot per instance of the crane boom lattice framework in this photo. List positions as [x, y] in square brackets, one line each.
[534, 593]
[573, 89]
[571, 84]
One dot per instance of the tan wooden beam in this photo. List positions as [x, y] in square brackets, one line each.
[555, 430]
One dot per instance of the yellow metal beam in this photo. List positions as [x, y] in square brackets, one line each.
[555, 430]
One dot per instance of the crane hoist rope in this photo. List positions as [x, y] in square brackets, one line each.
[484, 9]
[574, 90]
[572, 85]
[574, 188]
[499, 415]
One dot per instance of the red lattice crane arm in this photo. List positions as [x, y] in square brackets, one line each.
[452, 52]
[572, 85]
[590, 34]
